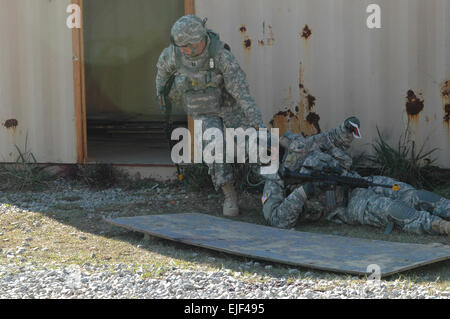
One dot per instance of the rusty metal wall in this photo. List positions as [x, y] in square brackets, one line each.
[312, 63]
[36, 81]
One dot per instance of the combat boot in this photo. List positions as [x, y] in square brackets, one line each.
[230, 204]
[441, 227]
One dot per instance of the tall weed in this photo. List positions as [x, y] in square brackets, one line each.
[404, 161]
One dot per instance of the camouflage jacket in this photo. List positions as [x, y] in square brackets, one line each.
[232, 79]
[318, 151]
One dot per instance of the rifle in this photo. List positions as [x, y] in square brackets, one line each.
[332, 180]
[168, 125]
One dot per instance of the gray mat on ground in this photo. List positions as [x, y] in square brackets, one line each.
[311, 250]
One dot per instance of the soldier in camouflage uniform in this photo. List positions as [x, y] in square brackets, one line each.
[212, 87]
[412, 210]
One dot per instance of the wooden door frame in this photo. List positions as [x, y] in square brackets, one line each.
[79, 82]
[79, 89]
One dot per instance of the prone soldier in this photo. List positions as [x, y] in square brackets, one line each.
[285, 204]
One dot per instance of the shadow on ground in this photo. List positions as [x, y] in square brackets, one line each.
[73, 234]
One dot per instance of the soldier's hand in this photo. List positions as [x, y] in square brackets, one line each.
[161, 103]
[352, 125]
[160, 100]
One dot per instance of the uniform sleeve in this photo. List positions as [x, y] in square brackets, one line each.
[333, 142]
[336, 138]
[236, 84]
[165, 68]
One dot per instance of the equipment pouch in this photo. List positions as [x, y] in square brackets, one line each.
[206, 101]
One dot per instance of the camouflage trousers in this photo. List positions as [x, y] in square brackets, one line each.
[409, 209]
[221, 173]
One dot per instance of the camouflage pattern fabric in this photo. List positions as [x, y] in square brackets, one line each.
[221, 173]
[367, 207]
[284, 212]
[333, 142]
[188, 29]
[211, 88]
[239, 109]
[409, 209]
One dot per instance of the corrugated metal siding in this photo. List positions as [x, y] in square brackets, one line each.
[36, 81]
[312, 63]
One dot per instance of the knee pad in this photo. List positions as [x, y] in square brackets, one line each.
[400, 212]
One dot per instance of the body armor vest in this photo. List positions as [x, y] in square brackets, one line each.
[198, 81]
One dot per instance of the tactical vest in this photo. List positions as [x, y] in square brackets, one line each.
[198, 81]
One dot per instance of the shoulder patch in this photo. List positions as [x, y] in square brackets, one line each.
[265, 197]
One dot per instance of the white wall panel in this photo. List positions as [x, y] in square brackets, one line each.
[36, 81]
[348, 68]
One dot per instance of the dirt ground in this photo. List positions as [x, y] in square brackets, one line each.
[63, 223]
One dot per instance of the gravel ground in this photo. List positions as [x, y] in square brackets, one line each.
[27, 278]
[97, 281]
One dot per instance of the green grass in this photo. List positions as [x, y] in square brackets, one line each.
[61, 229]
[408, 163]
[63, 225]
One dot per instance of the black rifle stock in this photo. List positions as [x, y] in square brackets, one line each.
[291, 177]
[168, 125]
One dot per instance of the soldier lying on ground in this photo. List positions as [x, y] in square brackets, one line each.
[412, 210]
[210, 84]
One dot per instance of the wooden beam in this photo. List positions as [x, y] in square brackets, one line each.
[189, 7]
[79, 88]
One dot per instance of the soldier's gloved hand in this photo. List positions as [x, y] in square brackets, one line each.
[352, 125]
[162, 106]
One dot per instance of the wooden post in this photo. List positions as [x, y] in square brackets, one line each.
[79, 88]
[189, 8]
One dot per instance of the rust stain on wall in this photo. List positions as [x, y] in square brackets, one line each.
[310, 124]
[286, 121]
[414, 105]
[306, 33]
[304, 121]
[313, 119]
[447, 113]
[445, 94]
[311, 101]
[270, 39]
[11, 124]
[246, 41]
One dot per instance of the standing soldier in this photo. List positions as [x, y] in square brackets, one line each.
[412, 210]
[209, 82]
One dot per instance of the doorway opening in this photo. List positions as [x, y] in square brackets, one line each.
[122, 42]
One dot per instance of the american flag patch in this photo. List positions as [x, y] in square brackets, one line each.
[265, 197]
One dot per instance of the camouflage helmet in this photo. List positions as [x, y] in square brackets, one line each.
[188, 29]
